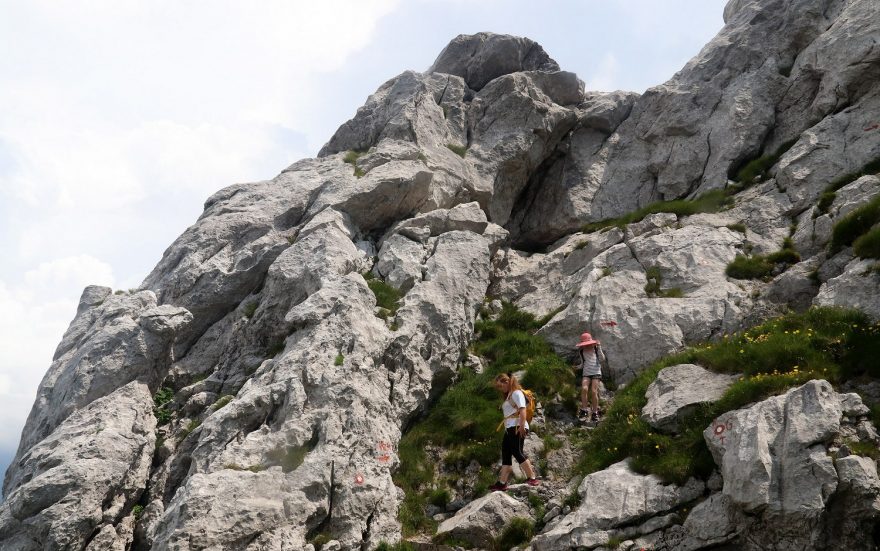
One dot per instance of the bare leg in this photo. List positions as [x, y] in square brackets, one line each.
[504, 475]
[527, 468]
[594, 394]
[585, 388]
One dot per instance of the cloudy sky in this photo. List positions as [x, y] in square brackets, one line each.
[119, 117]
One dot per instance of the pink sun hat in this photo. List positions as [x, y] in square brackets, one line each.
[586, 340]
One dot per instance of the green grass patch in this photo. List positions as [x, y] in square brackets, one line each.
[581, 245]
[653, 287]
[460, 150]
[830, 193]
[161, 401]
[756, 169]
[865, 449]
[739, 226]
[868, 245]
[517, 531]
[250, 308]
[712, 201]
[222, 401]
[464, 419]
[352, 155]
[827, 343]
[855, 224]
[760, 266]
[340, 359]
[400, 546]
[387, 297]
[193, 425]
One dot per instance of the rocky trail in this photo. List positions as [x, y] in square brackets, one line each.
[302, 357]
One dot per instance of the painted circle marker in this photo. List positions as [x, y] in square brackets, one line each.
[359, 479]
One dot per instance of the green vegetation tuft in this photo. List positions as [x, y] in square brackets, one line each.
[868, 245]
[193, 425]
[739, 226]
[756, 169]
[827, 343]
[352, 155]
[465, 417]
[582, 244]
[250, 308]
[655, 280]
[855, 224]
[162, 401]
[137, 511]
[517, 531]
[439, 497]
[865, 449]
[222, 401]
[340, 359]
[400, 546]
[712, 201]
[276, 348]
[460, 150]
[387, 297]
[830, 193]
[760, 266]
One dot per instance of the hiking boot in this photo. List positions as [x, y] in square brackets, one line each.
[533, 482]
[584, 413]
[595, 417]
[498, 487]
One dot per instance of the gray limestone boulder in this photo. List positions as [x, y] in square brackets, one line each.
[84, 477]
[677, 390]
[614, 498]
[483, 519]
[482, 57]
[857, 287]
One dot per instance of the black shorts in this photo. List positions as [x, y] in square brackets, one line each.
[512, 446]
[591, 377]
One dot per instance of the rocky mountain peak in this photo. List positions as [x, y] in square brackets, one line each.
[482, 57]
[253, 393]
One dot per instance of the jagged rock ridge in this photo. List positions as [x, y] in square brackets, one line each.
[290, 393]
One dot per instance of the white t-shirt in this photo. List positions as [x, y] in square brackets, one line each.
[508, 409]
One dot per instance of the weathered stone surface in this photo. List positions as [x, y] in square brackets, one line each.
[82, 478]
[612, 498]
[677, 390]
[857, 287]
[128, 338]
[483, 519]
[712, 522]
[400, 261]
[482, 57]
[771, 455]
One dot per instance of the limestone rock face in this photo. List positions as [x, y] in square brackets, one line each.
[482, 57]
[84, 477]
[775, 465]
[251, 394]
[613, 498]
[677, 389]
[483, 519]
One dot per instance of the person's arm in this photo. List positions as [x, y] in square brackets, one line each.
[521, 426]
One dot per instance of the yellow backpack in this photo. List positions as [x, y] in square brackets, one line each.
[530, 409]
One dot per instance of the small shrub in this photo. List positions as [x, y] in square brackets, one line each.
[757, 169]
[868, 245]
[439, 497]
[825, 201]
[865, 449]
[161, 400]
[137, 511]
[256, 468]
[222, 401]
[460, 150]
[517, 531]
[784, 256]
[581, 245]
[745, 267]
[606, 271]
[739, 226]
[353, 155]
[855, 224]
[830, 193]
[387, 297]
[250, 308]
[340, 359]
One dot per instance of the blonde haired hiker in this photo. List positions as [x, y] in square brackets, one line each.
[592, 359]
[515, 429]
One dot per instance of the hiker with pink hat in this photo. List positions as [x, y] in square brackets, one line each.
[592, 359]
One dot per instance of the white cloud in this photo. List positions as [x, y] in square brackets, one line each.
[117, 119]
[606, 76]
